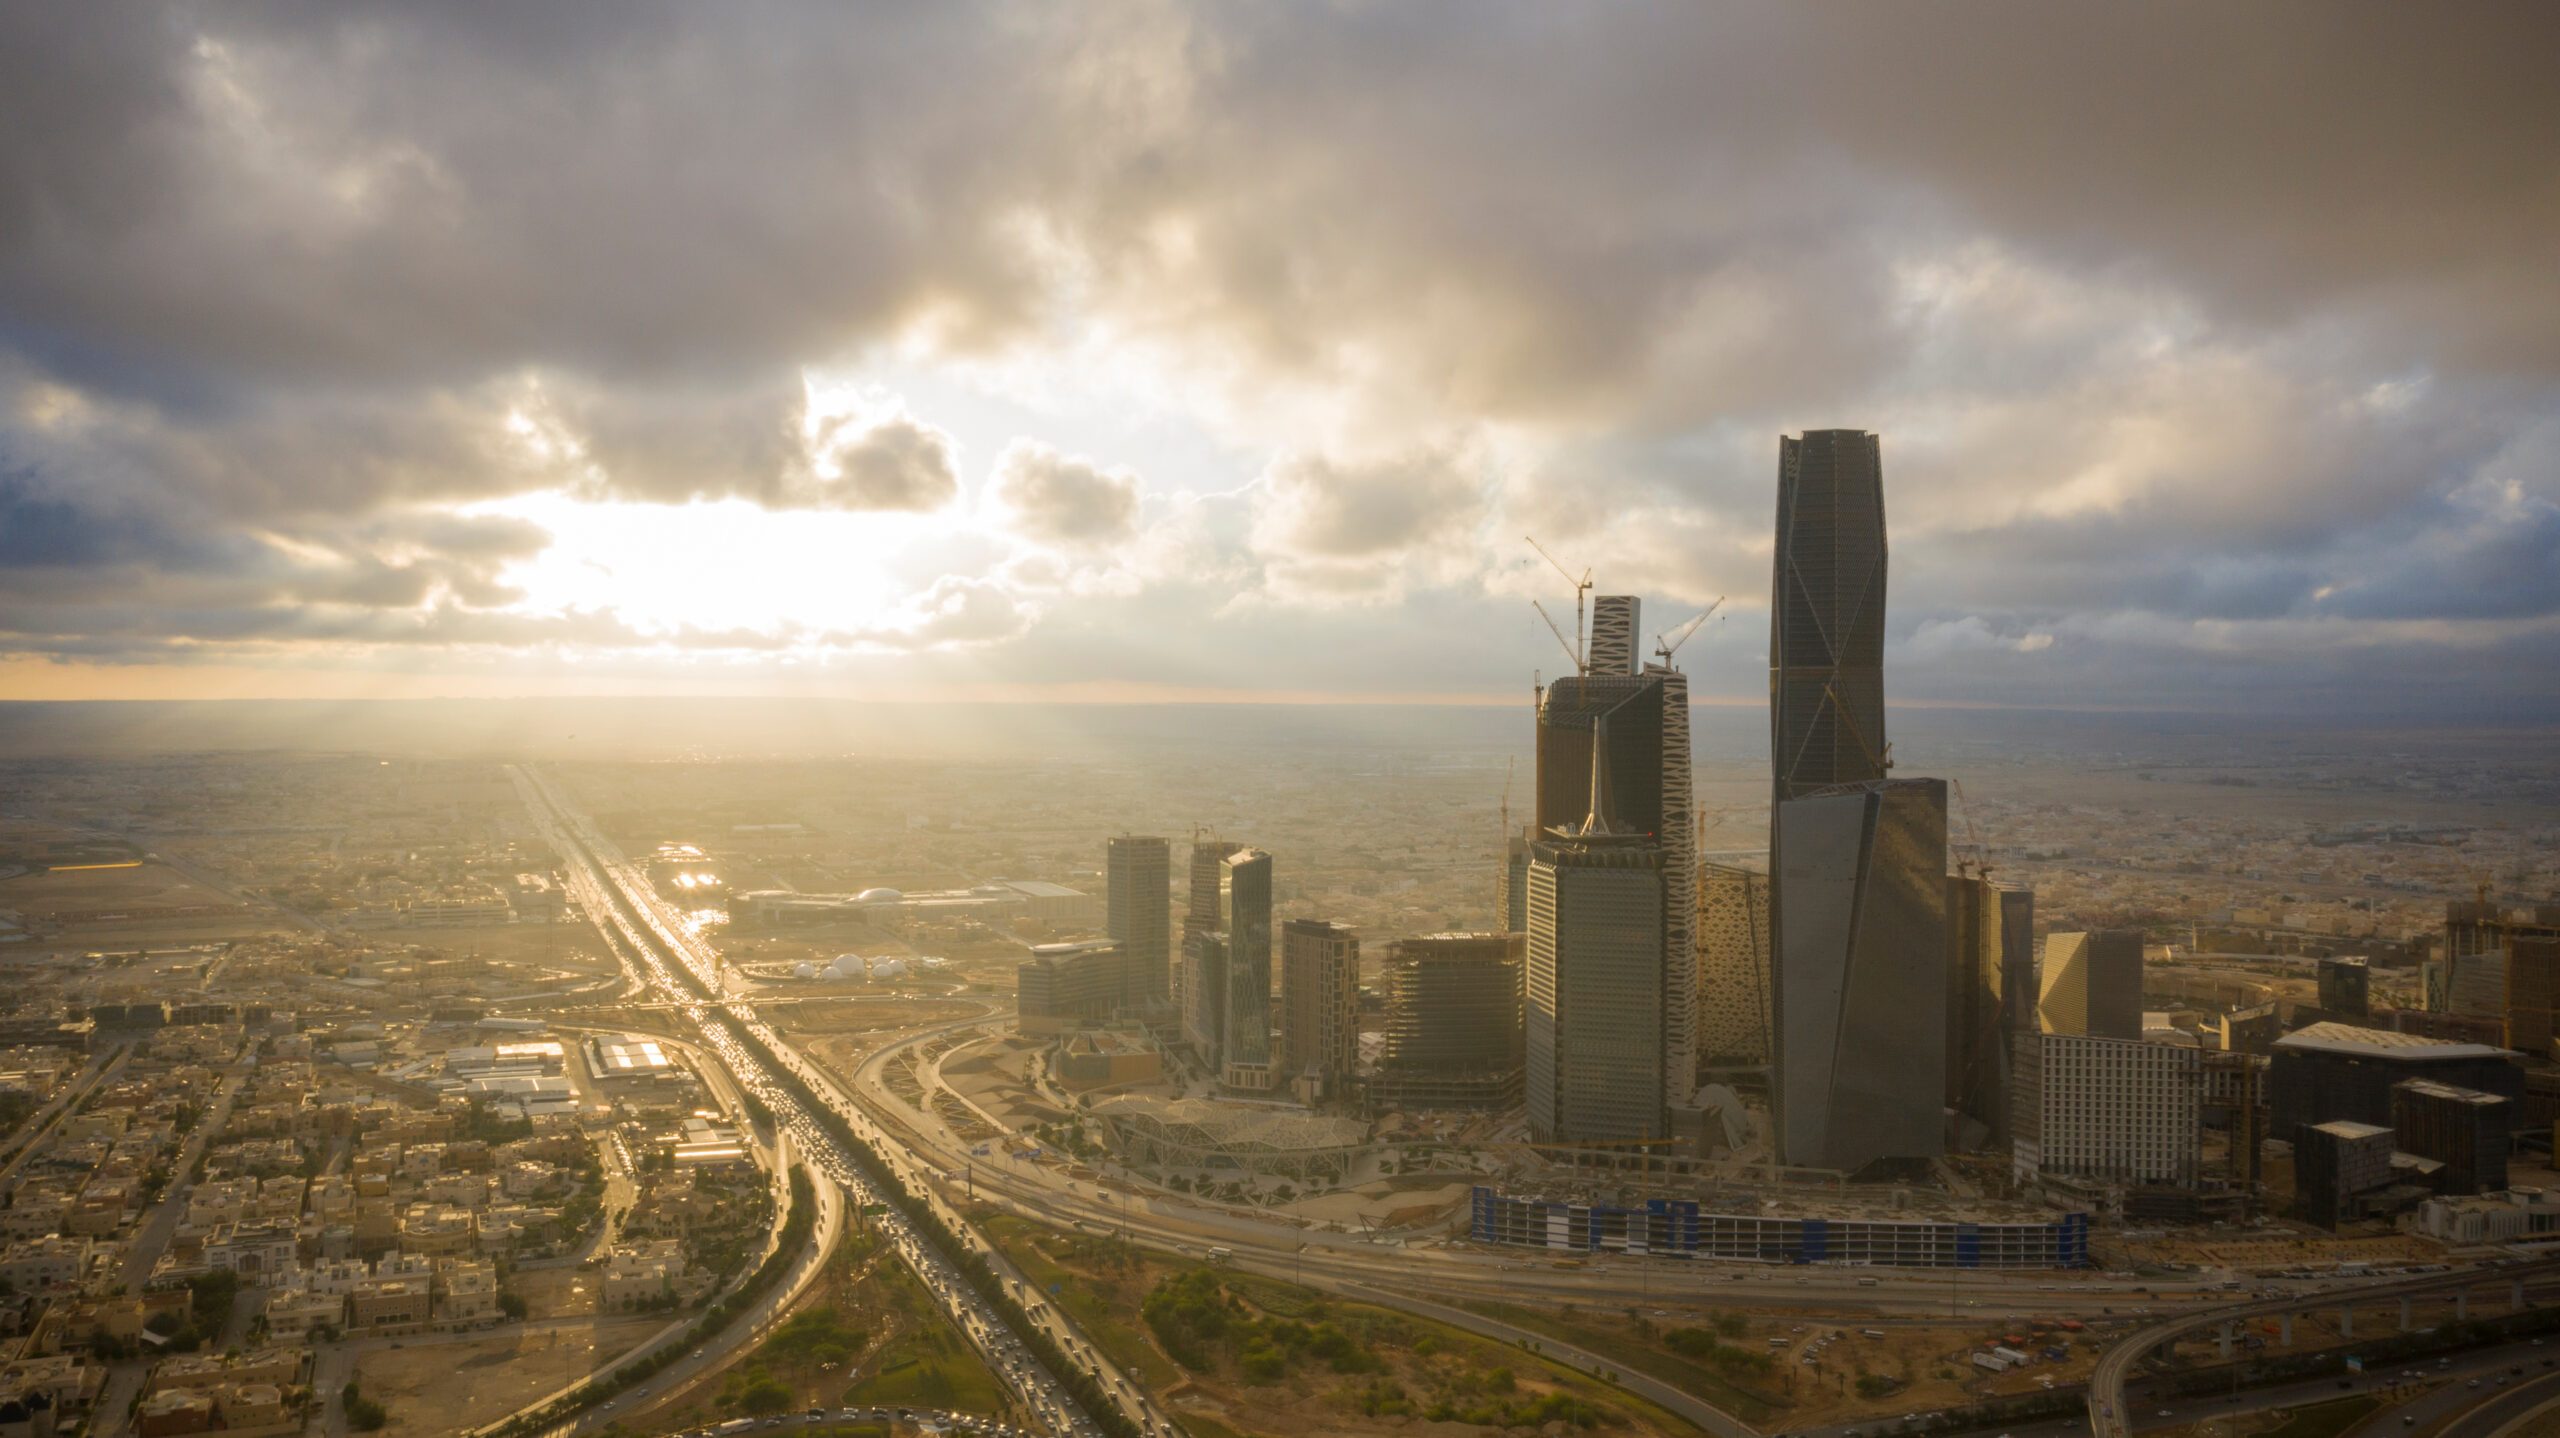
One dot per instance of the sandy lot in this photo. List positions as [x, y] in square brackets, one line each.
[437, 1388]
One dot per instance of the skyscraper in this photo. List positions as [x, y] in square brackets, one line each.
[1138, 911]
[2091, 984]
[1598, 1054]
[1733, 965]
[1202, 914]
[1245, 894]
[1319, 1007]
[1642, 721]
[1991, 992]
[1203, 1003]
[1614, 642]
[1453, 1036]
[1826, 624]
[1513, 899]
[1860, 1003]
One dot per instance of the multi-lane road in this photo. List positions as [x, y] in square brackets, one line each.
[670, 964]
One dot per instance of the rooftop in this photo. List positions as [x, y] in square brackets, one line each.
[2338, 1038]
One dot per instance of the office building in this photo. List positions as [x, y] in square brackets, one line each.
[1201, 912]
[1203, 972]
[1641, 721]
[1319, 1007]
[1138, 912]
[1860, 1003]
[2091, 984]
[2482, 942]
[1990, 997]
[1733, 966]
[1068, 986]
[2338, 1168]
[1511, 898]
[1594, 983]
[2112, 1110]
[1244, 893]
[1826, 621]
[1452, 1036]
[2533, 995]
[2462, 1128]
[2338, 1071]
[2346, 988]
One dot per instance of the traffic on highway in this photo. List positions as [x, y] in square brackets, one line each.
[652, 939]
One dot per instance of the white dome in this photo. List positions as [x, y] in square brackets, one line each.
[878, 896]
[804, 970]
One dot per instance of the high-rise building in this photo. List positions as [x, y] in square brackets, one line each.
[1204, 995]
[1453, 1025]
[1244, 886]
[1826, 624]
[2113, 1110]
[1641, 723]
[2091, 983]
[1513, 897]
[1202, 914]
[1990, 996]
[2464, 1129]
[1859, 1012]
[2346, 988]
[1615, 644]
[1733, 965]
[1072, 985]
[2533, 992]
[1593, 987]
[2337, 1166]
[1138, 912]
[1597, 960]
[1319, 1007]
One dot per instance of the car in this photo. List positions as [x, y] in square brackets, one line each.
[2165, 1413]
[2474, 1383]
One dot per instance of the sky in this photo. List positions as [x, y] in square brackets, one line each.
[1155, 350]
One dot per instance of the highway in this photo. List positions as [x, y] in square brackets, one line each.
[1051, 1193]
[2111, 1415]
[672, 964]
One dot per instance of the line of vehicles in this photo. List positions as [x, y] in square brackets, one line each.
[627, 903]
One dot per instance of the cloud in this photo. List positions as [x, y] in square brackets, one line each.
[2268, 365]
[1057, 499]
[896, 463]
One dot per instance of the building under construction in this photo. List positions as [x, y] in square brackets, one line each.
[1681, 1228]
[1453, 1027]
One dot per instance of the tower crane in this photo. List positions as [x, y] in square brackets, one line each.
[1664, 646]
[1581, 597]
[1571, 651]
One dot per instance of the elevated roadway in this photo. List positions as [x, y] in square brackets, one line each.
[2111, 1417]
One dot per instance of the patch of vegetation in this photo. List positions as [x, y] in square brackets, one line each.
[363, 1414]
[1200, 1323]
[817, 1336]
[2324, 1420]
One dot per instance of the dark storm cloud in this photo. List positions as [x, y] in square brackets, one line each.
[2198, 314]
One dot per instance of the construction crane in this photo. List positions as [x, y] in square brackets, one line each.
[1664, 646]
[1581, 597]
[1571, 651]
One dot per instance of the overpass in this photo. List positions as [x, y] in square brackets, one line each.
[2108, 1415]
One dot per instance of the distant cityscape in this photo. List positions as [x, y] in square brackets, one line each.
[312, 1051]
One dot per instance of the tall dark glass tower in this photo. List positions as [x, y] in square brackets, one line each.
[1826, 624]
